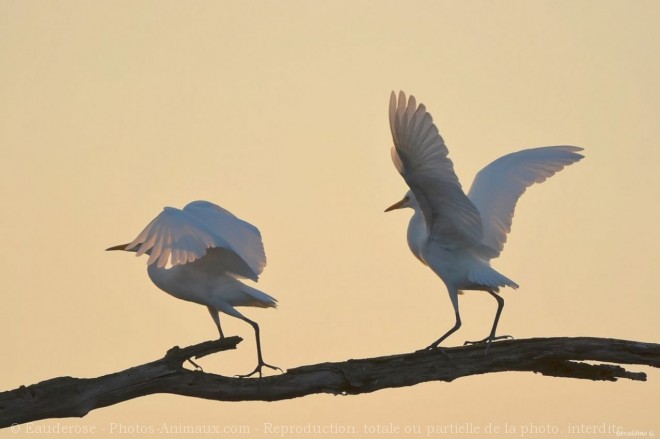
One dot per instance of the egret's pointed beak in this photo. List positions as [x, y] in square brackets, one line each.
[117, 247]
[397, 205]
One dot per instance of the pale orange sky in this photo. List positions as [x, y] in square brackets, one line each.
[278, 112]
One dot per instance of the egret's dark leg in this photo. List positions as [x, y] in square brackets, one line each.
[216, 319]
[492, 337]
[457, 325]
[215, 315]
[260, 359]
[453, 295]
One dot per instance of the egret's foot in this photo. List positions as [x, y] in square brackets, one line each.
[197, 366]
[433, 348]
[258, 370]
[488, 340]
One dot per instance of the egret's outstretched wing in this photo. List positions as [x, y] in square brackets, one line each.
[206, 235]
[235, 234]
[497, 187]
[420, 156]
[173, 236]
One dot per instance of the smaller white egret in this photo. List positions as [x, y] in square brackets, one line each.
[456, 235]
[199, 254]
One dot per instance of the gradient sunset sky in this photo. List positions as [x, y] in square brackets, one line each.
[277, 111]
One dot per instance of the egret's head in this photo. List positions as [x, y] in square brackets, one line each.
[408, 200]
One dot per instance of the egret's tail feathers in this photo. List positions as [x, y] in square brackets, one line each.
[261, 299]
[486, 276]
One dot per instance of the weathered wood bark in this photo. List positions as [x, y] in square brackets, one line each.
[559, 357]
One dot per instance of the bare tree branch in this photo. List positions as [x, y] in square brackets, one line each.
[559, 357]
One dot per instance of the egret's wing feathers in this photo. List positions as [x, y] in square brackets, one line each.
[205, 234]
[497, 187]
[222, 260]
[173, 236]
[233, 233]
[420, 156]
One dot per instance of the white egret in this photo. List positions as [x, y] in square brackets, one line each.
[199, 254]
[454, 234]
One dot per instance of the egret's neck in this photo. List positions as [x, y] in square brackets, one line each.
[417, 233]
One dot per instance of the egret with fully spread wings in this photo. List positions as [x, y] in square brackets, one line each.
[454, 234]
[199, 254]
